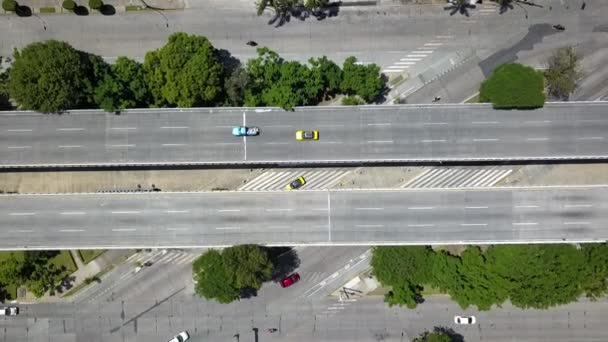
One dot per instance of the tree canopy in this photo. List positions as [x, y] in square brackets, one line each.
[549, 275]
[185, 72]
[224, 275]
[563, 72]
[5, 96]
[123, 87]
[33, 269]
[513, 86]
[363, 80]
[52, 76]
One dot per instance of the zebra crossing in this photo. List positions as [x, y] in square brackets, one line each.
[277, 179]
[163, 257]
[458, 178]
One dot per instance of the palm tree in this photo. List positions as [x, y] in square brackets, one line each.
[505, 5]
[461, 6]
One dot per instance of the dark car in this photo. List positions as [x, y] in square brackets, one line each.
[297, 183]
[290, 280]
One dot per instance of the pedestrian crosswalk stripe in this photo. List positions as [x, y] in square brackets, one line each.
[458, 177]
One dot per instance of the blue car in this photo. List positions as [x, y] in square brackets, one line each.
[242, 131]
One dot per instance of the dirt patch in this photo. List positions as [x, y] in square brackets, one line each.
[543, 175]
[378, 177]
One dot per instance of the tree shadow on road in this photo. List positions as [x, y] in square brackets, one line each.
[23, 11]
[107, 9]
[301, 13]
[285, 261]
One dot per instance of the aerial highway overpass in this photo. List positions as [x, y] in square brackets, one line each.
[366, 134]
[366, 217]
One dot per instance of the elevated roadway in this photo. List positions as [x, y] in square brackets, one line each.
[174, 220]
[350, 135]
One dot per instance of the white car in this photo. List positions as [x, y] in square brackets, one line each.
[181, 337]
[464, 320]
[9, 311]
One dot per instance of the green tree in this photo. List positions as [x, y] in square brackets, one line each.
[213, 279]
[563, 72]
[11, 270]
[405, 293]
[314, 5]
[513, 86]
[69, 5]
[185, 72]
[5, 98]
[96, 4]
[223, 275]
[352, 101]
[10, 5]
[276, 82]
[459, 6]
[330, 74]
[435, 336]
[394, 264]
[595, 282]
[363, 80]
[249, 265]
[52, 76]
[124, 87]
[235, 87]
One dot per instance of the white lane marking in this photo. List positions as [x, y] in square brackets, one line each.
[476, 207]
[178, 228]
[227, 228]
[538, 122]
[177, 211]
[275, 143]
[421, 208]
[421, 225]
[278, 227]
[123, 145]
[232, 143]
[319, 209]
[525, 223]
[22, 214]
[433, 44]
[576, 223]
[69, 146]
[485, 139]
[228, 210]
[19, 147]
[123, 128]
[473, 224]
[434, 123]
[591, 138]
[20, 231]
[537, 139]
[124, 229]
[486, 122]
[370, 225]
[400, 70]
[70, 129]
[416, 55]
[19, 130]
[126, 212]
[178, 127]
[379, 141]
[423, 51]
[399, 64]
[73, 213]
[578, 205]
[369, 208]
[287, 209]
[71, 230]
[380, 124]
[175, 144]
[432, 140]
[526, 206]
[410, 59]
[330, 142]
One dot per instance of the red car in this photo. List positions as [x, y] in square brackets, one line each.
[290, 280]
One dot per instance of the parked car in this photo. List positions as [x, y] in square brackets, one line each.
[243, 131]
[307, 135]
[9, 311]
[296, 184]
[465, 320]
[290, 280]
[181, 337]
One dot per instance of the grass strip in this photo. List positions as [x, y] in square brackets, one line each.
[47, 9]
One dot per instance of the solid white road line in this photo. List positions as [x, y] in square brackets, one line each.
[22, 214]
[591, 138]
[70, 129]
[124, 229]
[73, 213]
[525, 223]
[177, 211]
[379, 141]
[473, 224]
[175, 144]
[228, 210]
[126, 212]
[369, 208]
[123, 128]
[576, 223]
[421, 208]
[69, 146]
[578, 205]
[485, 122]
[19, 147]
[178, 127]
[526, 206]
[486, 139]
[433, 140]
[19, 130]
[71, 230]
[123, 145]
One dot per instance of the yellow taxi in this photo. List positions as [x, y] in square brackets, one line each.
[296, 184]
[307, 135]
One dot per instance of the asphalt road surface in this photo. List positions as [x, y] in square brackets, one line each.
[347, 134]
[365, 319]
[174, 220]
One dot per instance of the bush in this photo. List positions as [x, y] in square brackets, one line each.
[9, 5]
[351, 101]
[95, 4]
[69, 5]
[513, 86]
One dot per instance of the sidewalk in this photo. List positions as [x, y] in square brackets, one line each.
[111, 6]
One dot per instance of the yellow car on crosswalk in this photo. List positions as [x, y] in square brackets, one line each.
[297, 183]
[307, 135]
